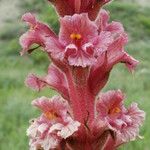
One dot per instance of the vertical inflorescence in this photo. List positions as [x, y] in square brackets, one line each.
[82, 55]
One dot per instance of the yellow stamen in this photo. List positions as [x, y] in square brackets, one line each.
[32, 27]
[74, 36]
[50, 115]
[78, 36]
[114, 111]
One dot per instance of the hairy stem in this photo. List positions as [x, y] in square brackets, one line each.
[80, 97]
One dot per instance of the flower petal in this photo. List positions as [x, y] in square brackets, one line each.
[36, 35]
[30, 19]
[70, 129]
[102, 42]
[79, 24]
[55, 48]
[29, 38]
[34, 82]
[103, 24]
[57, 80]
[63, 7]
[54, 79]
[65, 131]
[71, 49]
[47, 132]
[82, 61]
[70, 7]
[124, 122]
[108, 101]
[117, 54]
[50, 142]
[105, 62]
[55, 104]
[137, 115]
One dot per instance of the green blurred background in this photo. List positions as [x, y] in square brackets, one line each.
[15, 98]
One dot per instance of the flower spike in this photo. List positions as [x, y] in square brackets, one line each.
[70, 7]
[82, 57]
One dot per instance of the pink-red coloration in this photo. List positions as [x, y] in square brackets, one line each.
[34, 82]
[103, 24]
[70, 7]
[125, 122]
[37, 33]
[115, 54]
[83, 54]
[79, 41]
[54, 125]
[55, 79]
[133, 119]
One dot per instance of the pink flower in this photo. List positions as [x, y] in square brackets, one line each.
[55, 79]
[124, 122]
[54, 125]
[103, 24]
[37, 33]
[115, 53]
[39, 138]
[79, 41]
[70, 7]
[133, 118]
[110, 104]
[34, 82]
[86, 49]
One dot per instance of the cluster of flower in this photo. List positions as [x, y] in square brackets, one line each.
[83, 55]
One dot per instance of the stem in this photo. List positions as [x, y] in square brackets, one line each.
[110, 144]
[74, 98]
[81, 99]
[87, 103]
[77, 4]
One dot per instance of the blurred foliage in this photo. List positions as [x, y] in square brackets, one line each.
[45, 12]
[15, 98]
[135, 19]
